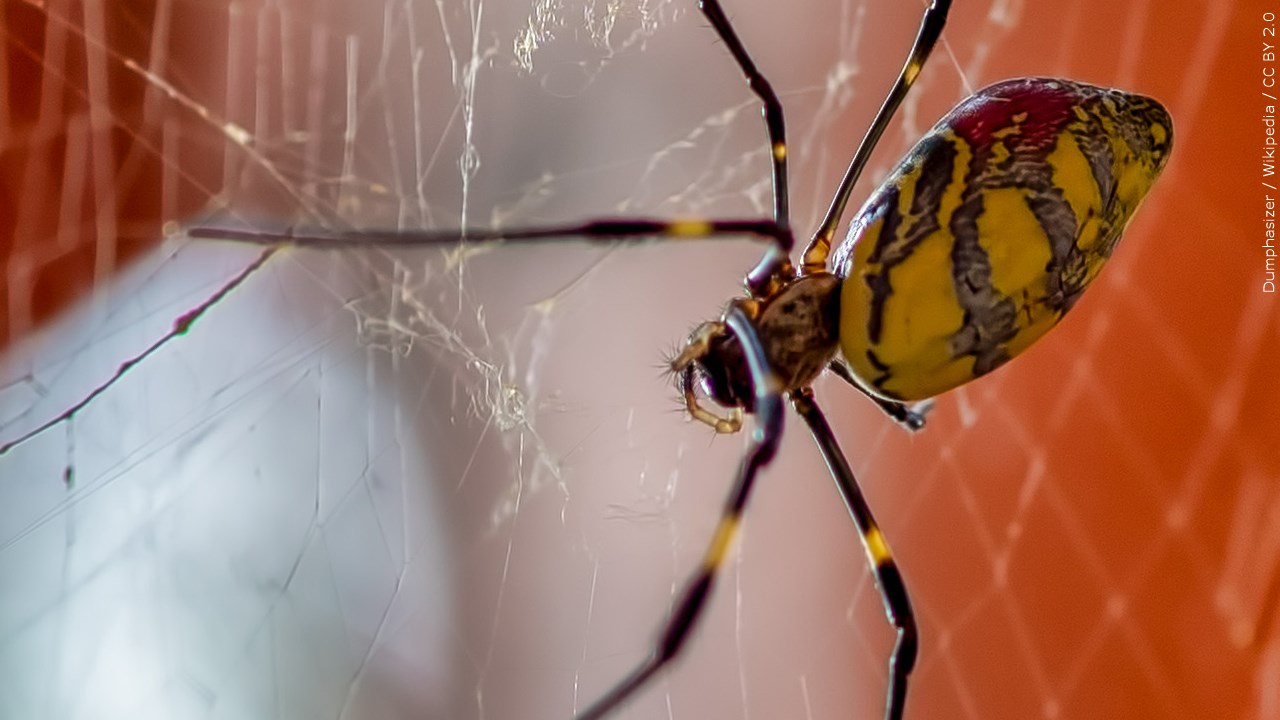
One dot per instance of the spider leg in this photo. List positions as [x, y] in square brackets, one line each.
[692, 602]
[935, 17]
[909, 416]
[775, 263]
[603, 230]
[893, 591]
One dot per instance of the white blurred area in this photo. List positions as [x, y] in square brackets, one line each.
[245, 533]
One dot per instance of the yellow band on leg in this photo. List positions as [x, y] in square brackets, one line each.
[877, 546]
[689, 228]
[720, 543]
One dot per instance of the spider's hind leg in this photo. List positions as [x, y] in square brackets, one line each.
[911, 417]
[893, 590]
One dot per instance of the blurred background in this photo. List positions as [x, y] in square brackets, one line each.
[424, 484]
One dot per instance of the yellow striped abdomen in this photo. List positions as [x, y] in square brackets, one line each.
[990, 229]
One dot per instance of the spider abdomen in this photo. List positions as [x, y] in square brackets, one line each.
[990, 229]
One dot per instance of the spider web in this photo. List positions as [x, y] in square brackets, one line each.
[375, 484]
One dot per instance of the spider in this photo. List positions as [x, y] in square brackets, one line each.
[977, 244]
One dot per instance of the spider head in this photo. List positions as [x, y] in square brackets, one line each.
[721, 372]
[712, 361]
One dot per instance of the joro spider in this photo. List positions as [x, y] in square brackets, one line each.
[977, 243]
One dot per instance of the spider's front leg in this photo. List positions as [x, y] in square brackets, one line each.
[766, 404]
[703, 358]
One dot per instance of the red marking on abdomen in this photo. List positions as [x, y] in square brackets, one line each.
[1047, 103]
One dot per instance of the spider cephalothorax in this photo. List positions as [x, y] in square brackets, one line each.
[799, 329]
